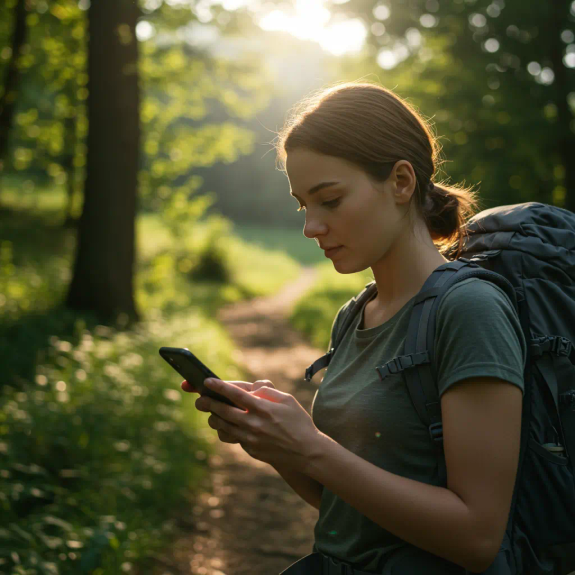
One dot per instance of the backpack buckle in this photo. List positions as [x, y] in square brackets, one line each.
[394, 365]
[551, 343]
[567, 398]
[561, 346]
[436, 431]
[402, 362]
[320, 363]
[470, 262]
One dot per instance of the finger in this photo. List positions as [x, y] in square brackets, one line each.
[263, 383]
[223, 426]
[239, 397]
[227, 437]
[245, 385]
[232, 415]
[270, 394]
[186, 386]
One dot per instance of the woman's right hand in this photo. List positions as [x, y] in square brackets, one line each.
[245, 385]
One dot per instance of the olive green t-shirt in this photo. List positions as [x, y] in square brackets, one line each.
[478, 333]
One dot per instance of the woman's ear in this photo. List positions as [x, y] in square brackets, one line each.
[403, 181]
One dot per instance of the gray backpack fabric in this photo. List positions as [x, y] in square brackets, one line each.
[528, 250]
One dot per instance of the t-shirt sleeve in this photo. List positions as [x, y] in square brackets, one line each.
[478, 334]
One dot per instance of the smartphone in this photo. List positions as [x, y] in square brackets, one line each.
[193, 371]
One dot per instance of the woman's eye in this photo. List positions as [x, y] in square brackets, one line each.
[330, 204]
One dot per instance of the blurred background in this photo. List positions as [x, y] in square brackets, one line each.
[139, 193]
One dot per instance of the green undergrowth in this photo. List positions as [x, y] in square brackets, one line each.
[99, 447]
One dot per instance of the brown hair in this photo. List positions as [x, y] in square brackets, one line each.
[372, 127]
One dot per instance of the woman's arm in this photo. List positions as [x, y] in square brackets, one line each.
[307, 488]
[465, 522]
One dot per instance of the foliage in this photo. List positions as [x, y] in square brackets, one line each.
[50, 122]
[98, 446]
[181, 87]
[178, 138]
[88, 446]
[493, 76]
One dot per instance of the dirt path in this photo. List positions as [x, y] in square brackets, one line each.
[251, 521]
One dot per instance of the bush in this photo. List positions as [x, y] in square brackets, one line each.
[95, 451]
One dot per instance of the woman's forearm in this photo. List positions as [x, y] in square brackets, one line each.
[307, 488]
[432, 518]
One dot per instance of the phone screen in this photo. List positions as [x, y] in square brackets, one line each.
[193, 371]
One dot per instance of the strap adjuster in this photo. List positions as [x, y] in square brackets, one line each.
[394, 366]
[322, 362]
[551, 343]
[471, 263]
[561, 346]
[436, 431]
[402, 362]
[568, 398]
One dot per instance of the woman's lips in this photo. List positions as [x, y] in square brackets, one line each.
[333, 251]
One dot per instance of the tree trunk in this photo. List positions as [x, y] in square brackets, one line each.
[8, 99]
[70, 130]
[105, 252]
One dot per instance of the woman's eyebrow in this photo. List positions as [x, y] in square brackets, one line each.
[316, 188]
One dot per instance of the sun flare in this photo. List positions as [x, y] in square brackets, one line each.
[309, 22]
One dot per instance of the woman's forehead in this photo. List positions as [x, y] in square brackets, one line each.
[308, 165]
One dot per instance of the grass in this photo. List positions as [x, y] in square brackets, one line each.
[285, 240]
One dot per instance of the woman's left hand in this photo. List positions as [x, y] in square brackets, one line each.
[275, 428]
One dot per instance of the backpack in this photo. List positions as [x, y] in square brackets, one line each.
[528, 250]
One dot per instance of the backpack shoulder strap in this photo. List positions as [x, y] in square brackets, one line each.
[419, 344]
[347, 319]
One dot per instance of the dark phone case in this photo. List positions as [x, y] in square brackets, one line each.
[193, 371]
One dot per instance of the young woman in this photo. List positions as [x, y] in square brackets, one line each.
[360, 162]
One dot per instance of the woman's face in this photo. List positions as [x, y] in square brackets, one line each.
[363, 216]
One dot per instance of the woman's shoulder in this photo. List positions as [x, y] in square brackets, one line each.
[475, 291]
